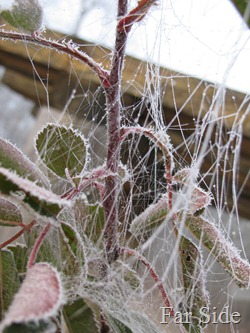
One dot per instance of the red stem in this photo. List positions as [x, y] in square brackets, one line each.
[113, 102]
[125, 250]
[135, 15]
[37, 246]
[20, 233]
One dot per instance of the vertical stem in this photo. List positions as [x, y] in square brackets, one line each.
[113, 101]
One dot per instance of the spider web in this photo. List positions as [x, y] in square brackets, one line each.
[205, 137]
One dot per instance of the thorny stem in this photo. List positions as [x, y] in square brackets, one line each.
[20, 233]
[141, 258]
[37, 246]
[113, 103]
[66, 47]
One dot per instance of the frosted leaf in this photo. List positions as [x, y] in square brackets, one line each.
[10, 215]
[62, 148]
[144, 224]
[41, 200]
[117, 326]
[224, 252]
[72, 250]
[200, 199]
[79, 317]
[91, 219]
[21, 254]
[13, 159]
[38, 298]
[182, 175]
[196, 295]
[9, 281]
[25, 15]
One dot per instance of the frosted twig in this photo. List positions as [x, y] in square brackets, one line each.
[66, 47]
[20, 233]
[38, 243]
[135, 15]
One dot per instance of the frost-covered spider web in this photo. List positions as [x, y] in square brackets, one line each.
[203, 138]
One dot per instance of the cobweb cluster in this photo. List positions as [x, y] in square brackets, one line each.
[207, 146]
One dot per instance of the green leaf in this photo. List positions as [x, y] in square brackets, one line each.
[41, 326]
[63, 150]
[241, 5]
[94, 223]
[79, 317]
[196, 295]
[41, 200]
[24, 15]
[10, 215]
[91, 217]
[72, 250]
[20, 254]
[117, 326]
[13, 159]
[71, 237]
[222, 249]
[144, 224]
[9, 281]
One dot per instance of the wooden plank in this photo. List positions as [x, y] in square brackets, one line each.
[185, 94]
[51, 77]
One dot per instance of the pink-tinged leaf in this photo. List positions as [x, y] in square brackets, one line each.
[41, 200]
[13, 159]
[221, 248]
[199, 200]
[182, 176]
[38, 298]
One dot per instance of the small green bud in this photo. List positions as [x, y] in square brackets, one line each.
[25, 15]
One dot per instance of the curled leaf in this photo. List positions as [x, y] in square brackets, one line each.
[222, 249]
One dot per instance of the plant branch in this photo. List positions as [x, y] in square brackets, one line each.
[68, 47]
[113, 102]
[38, 243]
[20, 233]
[141, 258]
[135, 15]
